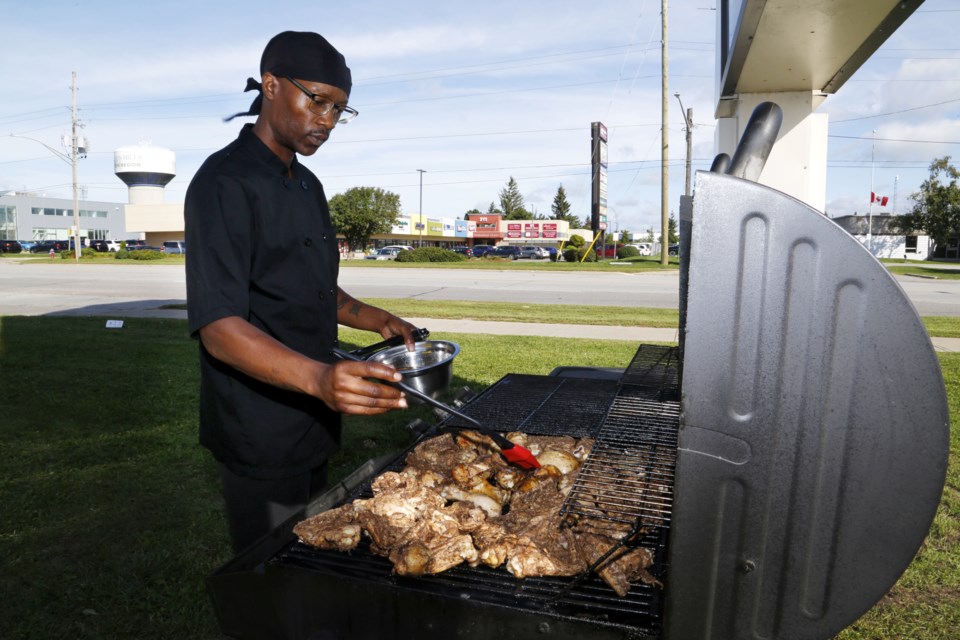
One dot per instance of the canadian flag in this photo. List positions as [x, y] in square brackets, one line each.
[881, 200]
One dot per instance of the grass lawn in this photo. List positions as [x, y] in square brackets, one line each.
[645, 263]
[110, 514]
[935, 273]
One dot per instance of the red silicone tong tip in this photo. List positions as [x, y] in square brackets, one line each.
[521, 457]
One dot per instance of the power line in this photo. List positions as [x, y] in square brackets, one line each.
[893, 113]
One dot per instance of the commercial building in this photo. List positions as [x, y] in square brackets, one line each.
[26, 216]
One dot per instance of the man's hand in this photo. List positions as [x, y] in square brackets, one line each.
[359, 315]
[395, 326]
[344, 387]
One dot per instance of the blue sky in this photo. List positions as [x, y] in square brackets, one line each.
[472, 93]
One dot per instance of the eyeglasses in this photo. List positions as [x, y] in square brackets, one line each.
[322, 106]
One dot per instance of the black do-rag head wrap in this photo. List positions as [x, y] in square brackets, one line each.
[299, 54]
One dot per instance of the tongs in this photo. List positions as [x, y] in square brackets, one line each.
[513, 453]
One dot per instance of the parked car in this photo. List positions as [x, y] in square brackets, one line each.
[174, 247]
[10, 246]
[133, 245]
[534, 253]
[507, 251]
[483, 249]
[398, 247]
[104, 246]
[387, 253]
[673, 250]
[44, 246]
[462, 250]
[644, 248]
[27, 244]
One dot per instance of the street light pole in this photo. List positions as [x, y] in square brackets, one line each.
[688, 121]
[420, 219]
[71, 160]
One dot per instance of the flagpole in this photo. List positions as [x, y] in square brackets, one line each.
[873, 148]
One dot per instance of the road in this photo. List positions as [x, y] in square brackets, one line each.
[30, 287]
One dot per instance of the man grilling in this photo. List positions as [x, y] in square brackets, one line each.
[263, 298]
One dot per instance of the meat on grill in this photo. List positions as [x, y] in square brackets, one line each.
[458, 501]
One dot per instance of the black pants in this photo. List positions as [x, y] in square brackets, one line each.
[256, 506]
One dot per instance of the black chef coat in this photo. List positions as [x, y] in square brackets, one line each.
[262, 247]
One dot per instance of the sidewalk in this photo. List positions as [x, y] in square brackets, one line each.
[631, 334]
[492, 328]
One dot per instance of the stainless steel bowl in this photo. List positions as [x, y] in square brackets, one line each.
[428, 368]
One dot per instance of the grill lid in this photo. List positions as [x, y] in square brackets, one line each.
[815, 432]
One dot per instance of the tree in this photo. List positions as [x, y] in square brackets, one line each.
[493, 210]
[361, 212]
[511, 202]
[672, 236]
[626, 237]
[937, 205]
[560, 206]
[561, 209]
[472, 212]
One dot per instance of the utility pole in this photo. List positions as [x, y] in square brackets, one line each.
[73, 159]
[688, 120]
[420, 219]
[77, 149]
[664, 138]
[873, 149]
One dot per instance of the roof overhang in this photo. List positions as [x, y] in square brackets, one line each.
[772, 46]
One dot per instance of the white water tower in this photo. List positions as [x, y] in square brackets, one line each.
[146, 170]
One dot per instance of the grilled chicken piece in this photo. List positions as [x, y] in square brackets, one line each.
[388, 517]
[491, 507]
[334, 529]
[626, 565]
[437, 542]
[530, 539]
[442, 453]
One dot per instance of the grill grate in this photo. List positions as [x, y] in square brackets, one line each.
[629, 475]
[656, 368]
[630, 471]
[542, 405]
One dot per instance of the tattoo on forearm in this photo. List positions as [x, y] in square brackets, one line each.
[355, 309]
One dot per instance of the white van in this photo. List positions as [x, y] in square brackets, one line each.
[645, 248]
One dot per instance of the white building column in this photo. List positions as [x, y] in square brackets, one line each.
[798, 162]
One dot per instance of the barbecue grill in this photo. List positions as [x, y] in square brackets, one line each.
[784, 462]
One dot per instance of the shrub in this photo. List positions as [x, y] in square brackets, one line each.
[576, 241]
[85, 252]
[575, 254]
[430, 254]
[626, 251]
[139, 255]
